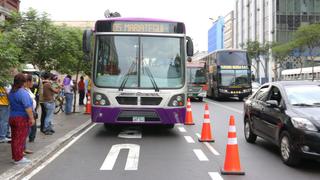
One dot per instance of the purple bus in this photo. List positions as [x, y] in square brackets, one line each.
[139, 71]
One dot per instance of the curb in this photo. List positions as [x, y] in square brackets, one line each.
[18, 171]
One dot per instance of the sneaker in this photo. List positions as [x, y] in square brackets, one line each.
[5, 140]
[23, 161]
[48, 133]
[51, 130]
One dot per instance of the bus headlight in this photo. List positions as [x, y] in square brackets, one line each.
[177, 100]
[100, 99]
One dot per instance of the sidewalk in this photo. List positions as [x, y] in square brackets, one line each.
[65, 126]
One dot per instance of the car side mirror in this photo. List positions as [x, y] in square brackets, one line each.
[272, 103]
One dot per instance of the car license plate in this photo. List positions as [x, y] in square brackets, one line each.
[138, 119]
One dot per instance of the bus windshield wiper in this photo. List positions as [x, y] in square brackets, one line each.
[156, 88]
[126, 77]
[302, 104]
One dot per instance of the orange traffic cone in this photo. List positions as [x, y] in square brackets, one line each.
[232, 160]
[189, 120]
[88, 105]
[206, 127]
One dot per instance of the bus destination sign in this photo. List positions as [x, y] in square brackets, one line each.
[234, 67]
[148, 27]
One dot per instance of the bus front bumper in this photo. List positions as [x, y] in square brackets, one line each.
[126, 115]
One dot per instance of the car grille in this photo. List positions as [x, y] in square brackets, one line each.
[194, 89]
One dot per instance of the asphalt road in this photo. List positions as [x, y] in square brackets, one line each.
[156, 153]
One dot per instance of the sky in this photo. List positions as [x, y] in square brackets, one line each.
[194, 13]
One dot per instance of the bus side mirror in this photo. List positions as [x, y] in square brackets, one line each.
[189, 46]
[86, 42]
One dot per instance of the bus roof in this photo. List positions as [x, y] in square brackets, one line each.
[134, 19]
[298, 70]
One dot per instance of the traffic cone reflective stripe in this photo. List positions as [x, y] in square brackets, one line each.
[88, 105]
[232, 160]
[206, 127]
[189, 119]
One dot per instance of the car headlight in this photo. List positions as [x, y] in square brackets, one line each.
[302, 123]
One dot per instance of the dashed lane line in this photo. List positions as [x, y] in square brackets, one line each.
[182, 129]
[189, 139]
[200, 155]
[211, 149]
[227, 107]
[215, 176]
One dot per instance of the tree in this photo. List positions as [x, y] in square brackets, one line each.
[9, 57]
[255, 50]
[44, 44]
[281, 53]
[309, 36]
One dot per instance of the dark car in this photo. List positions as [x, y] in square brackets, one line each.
[288, 115]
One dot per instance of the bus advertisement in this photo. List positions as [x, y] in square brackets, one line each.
[139, 71]
[228, 74]
[197, 81]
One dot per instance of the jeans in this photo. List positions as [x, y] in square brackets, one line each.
[43, 116]
[81, 97]
[4, 118]
[33, 131]
[49, 106]
[69, 99]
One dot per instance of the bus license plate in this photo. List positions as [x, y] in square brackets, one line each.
[138, 119]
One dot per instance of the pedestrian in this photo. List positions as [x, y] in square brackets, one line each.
[81, 90]
[68, 92]
[32, 86]
[21, 118]
[41, 102]
[49, 105]
[33, 129]
[4, 114]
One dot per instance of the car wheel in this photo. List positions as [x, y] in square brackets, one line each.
[200, 99]
[248, 134]
[288, 156]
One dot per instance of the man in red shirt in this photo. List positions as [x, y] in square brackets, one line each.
[81, 89]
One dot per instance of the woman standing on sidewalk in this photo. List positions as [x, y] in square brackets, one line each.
[21, 117]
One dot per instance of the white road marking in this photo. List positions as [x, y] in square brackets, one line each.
[182, 129]
[45, 163]
[132, 160]
[130, 134]
[198, 135]
[215, 152]
[227, 107]
[200, 155]
[189, 139]
[215, 176]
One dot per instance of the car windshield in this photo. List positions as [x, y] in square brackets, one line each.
[303, 95]
[139, 62]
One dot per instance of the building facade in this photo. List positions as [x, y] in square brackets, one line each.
[6, 6]
[228, 39]
[271, 21]
[215, 35]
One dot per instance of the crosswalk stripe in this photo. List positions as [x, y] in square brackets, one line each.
[189, 139]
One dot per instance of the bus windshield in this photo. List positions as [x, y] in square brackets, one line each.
[139, 62]
[232, 58]
[235, 77]
[196, 75]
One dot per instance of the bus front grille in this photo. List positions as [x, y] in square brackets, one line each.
[151, 100]
[127, 116]
[127, 100]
